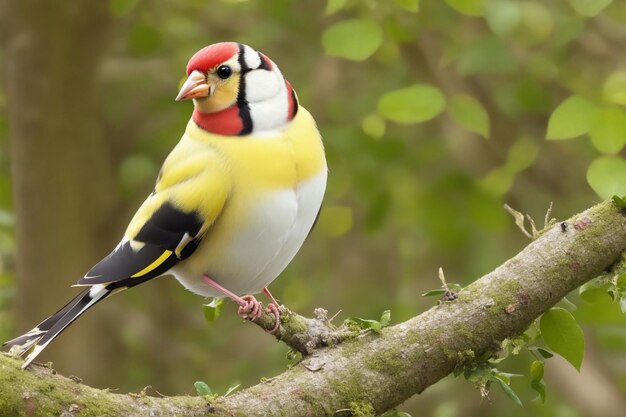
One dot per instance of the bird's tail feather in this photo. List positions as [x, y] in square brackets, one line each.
[47, 330]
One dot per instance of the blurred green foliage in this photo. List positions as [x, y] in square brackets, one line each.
[405, 93]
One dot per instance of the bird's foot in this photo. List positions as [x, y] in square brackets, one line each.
[275, 310]
[250, 309]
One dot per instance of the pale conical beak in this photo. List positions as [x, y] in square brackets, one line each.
[196, 86]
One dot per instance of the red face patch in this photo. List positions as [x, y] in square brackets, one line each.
[226, 122]
[212, 55]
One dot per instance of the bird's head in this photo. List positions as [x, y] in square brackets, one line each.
[237, 91]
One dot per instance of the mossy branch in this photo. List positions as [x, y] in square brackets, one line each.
[368, 372]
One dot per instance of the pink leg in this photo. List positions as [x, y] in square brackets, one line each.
[269, 294]
[249, 307]
[273, 308]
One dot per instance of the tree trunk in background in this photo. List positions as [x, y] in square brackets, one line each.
[62, 174]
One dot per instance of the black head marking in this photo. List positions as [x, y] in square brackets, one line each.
[242, 103]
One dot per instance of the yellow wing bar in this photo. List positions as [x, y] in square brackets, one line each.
[154, 264]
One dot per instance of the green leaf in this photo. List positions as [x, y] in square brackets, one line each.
[540, 388]
[567, 304]
[607, 176]
[622, 304]
[213, 310]
[503, 16]
[594, 291]
[470, 114]
[414, 104]
[507, 390]
[614, 89]
[467, 7]
[536, 370]
[570, 119]
[589, 8]
[545, 353]
[333, 6]
[202, 388]
[521, 155]
[408, 5]
[538, 21]
[385, 318]
[355, 39]
[621, 282]
[364, 324]
[231, 389]
[608, 130]
[620, 202]
[563, 335]
[431, 293]
[373, 325]
[374, 126]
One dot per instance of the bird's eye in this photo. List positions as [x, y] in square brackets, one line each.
[224, 71]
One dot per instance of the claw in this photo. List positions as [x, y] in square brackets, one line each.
[252, 309]
[275, 310]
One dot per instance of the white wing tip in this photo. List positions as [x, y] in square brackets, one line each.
[36, 351]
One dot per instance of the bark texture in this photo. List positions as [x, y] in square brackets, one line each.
[368, 373]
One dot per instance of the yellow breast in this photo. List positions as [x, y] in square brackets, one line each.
[276, 185]
[276, 161]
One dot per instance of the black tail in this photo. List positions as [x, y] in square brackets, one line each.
[47, 330]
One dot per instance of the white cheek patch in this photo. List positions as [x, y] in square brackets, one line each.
[251, 57]
[270, 113]
[262, 85]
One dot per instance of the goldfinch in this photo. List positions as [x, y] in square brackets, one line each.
[233, 202]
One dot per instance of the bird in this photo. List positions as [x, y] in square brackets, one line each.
[233, 202]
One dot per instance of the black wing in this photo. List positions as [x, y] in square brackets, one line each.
[168, 237]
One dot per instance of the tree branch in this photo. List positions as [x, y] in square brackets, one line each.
[369, 372]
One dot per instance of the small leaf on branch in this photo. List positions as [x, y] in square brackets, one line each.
[545, 353]
[385, 318]
[374, 325]
[213, 310]
[594, 291]
[431, 293]
[232, 389]
[619, 202]
[536, 370]
[620, 282]
[540, 388]
[562, 334]
[202, 388]
[507, 390]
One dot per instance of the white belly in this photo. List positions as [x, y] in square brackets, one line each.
[263, 244]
